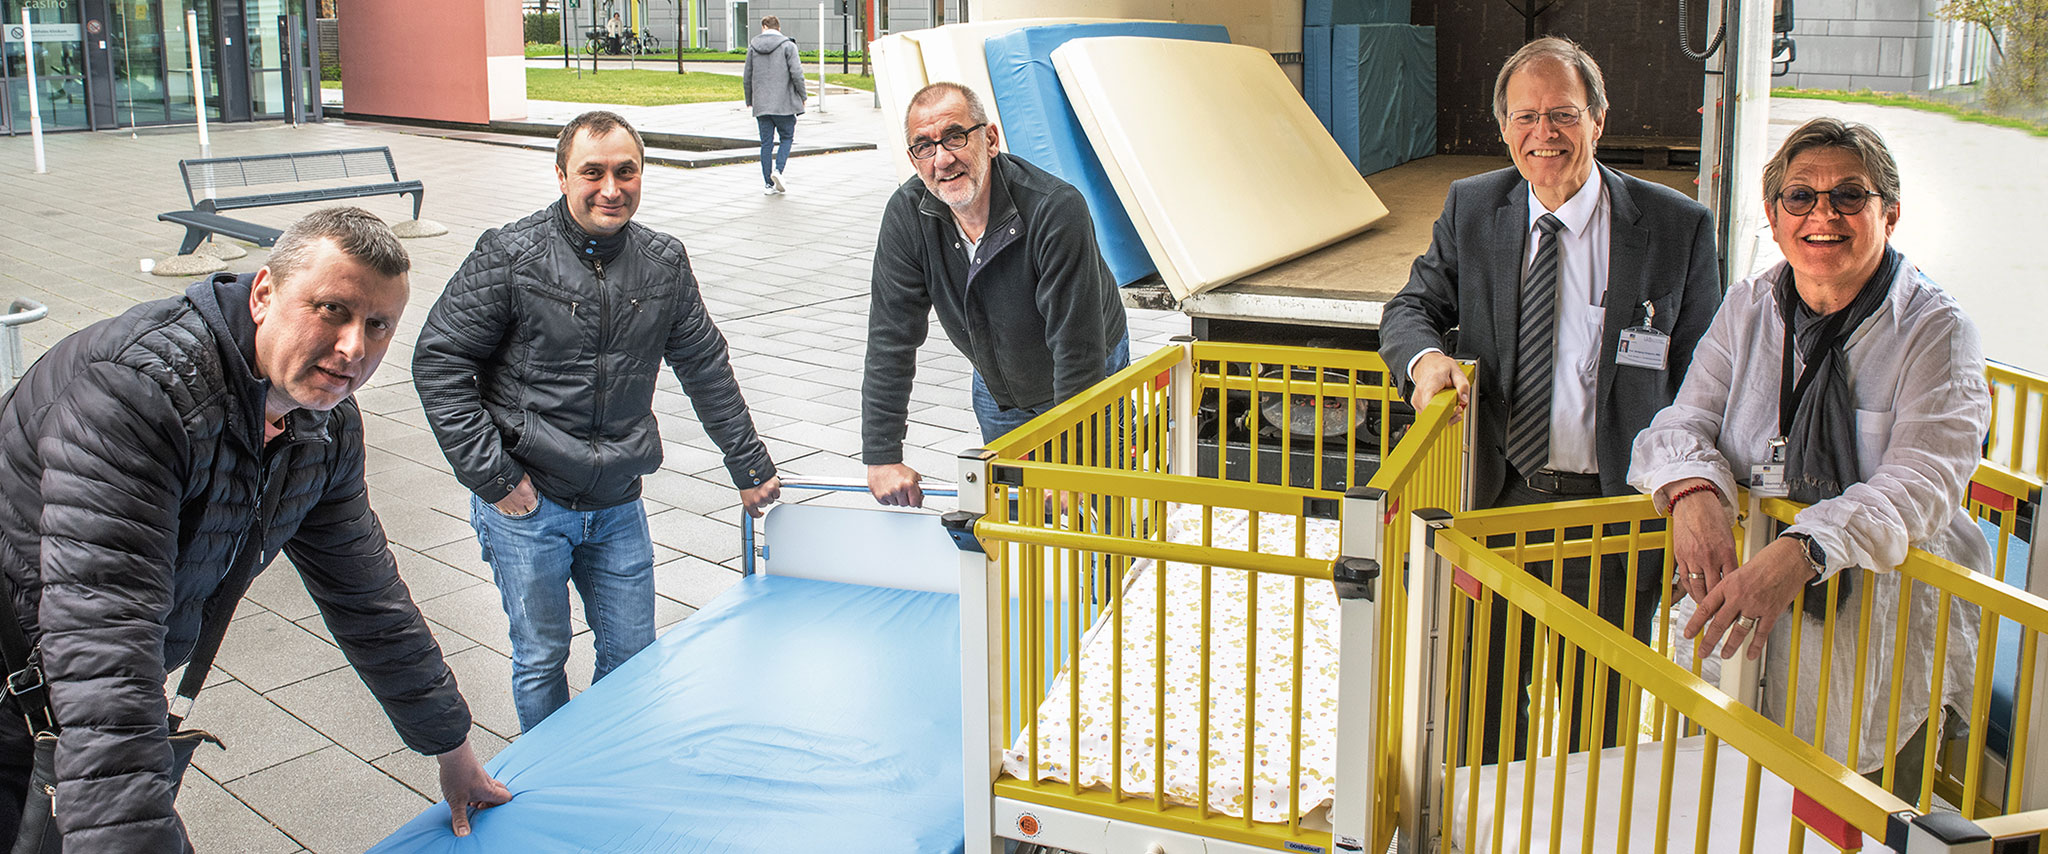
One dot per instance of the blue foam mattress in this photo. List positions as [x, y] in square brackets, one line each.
[1382, 93]
[788, 715]
[2005, 669]
[1040, 125]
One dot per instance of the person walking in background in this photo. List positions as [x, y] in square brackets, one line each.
[774, 85]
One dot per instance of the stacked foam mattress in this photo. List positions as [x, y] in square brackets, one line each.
[1370, 77]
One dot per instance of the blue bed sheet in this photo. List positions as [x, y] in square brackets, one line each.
[1041, 127]
[788, 715]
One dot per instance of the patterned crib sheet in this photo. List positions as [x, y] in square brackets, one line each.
[1230, 628]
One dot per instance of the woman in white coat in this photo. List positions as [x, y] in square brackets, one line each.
[1878, 413]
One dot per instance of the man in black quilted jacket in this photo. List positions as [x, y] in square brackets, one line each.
[537, 369]
[142, 455]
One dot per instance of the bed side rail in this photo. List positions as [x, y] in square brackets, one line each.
[1986, 681]
[1571, 745]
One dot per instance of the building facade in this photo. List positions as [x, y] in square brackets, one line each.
[729, 24]
[1883, 45]
[103, 64]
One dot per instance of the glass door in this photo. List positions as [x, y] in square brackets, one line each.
[176, 45]
[266, 57]
[137, 44]
[58, 35]
[736, 15]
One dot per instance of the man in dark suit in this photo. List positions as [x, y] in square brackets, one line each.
[1544, 270]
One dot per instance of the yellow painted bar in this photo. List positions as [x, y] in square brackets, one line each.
[1059, 419]
[1172, 817]
[1858, 801]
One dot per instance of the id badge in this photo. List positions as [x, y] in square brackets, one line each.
[1643, 347]
[1768, 479]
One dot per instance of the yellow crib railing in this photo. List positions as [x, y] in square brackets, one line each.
[1190, 519]
[1470, 567]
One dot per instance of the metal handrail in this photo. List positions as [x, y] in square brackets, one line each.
[19, 314]
[748, 553]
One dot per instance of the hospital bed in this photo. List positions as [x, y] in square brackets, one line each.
[1699, 768]
[1126, 708]
[812, 706]
[1176, 634]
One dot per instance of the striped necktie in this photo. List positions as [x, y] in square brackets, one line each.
[1535, 355]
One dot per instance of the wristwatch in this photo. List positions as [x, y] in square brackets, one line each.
[1816, 557]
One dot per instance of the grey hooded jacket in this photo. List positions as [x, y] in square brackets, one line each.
[774, 78]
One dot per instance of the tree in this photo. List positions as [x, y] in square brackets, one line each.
[2019, 38]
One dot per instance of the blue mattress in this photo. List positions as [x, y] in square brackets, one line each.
[1040, 126]
[788, 715]
[1382, 93]
[1323, 13]
[2005, 669]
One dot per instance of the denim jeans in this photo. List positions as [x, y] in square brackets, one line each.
[535, 558]
[771, 127]
[996, 420]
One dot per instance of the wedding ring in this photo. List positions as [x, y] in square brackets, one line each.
[1696, 575]
[1746, 622]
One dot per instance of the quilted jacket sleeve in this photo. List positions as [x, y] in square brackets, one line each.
[463, 331]
[114, 453]
[351, 574]
[697, 352]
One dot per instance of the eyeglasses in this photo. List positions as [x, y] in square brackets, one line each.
[1846, 199]
[923, 149]
[1561, 117]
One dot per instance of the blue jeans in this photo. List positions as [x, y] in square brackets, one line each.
[771, 127]
[995, 420]
[534, 559]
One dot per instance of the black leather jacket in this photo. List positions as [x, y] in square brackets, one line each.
[536, 362]
[131, 465]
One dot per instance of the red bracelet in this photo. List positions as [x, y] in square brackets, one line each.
[1672, 505]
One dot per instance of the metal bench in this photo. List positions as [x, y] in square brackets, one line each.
[205, 178]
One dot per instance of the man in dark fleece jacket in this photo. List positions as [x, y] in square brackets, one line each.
[1006, 254]
[147, 454]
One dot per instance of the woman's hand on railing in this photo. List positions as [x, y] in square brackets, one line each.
[1433, 373]
[1702, 537]
[1749, 601]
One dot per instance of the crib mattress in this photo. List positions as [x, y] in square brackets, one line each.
[1229, 618]
[1774, 804]
[785, 713]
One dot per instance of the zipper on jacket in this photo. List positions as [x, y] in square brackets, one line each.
[604, 335]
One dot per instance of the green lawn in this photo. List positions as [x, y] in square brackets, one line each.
[638, 88]
[642, 88]
[1888, 99]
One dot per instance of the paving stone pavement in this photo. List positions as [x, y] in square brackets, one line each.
[314, 766]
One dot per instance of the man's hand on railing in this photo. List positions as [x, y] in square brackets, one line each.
[895, 485]
[1749, 601]
[1435, 372]
[1702, 537]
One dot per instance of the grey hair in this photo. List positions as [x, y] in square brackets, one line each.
[600, 123]
[936, 92]
[358, 233]
[1565, 51]
[1826, 132]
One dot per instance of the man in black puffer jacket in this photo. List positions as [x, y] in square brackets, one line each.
[537, 369]
[136, 460]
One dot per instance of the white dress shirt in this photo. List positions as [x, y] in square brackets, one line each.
[1922, 409]
[1588, 218]
[1581, 292]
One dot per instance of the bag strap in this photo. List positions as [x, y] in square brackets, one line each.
[219, 610]
[25, 685]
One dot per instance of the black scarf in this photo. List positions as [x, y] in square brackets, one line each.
[1820, 432]
[588, 247]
